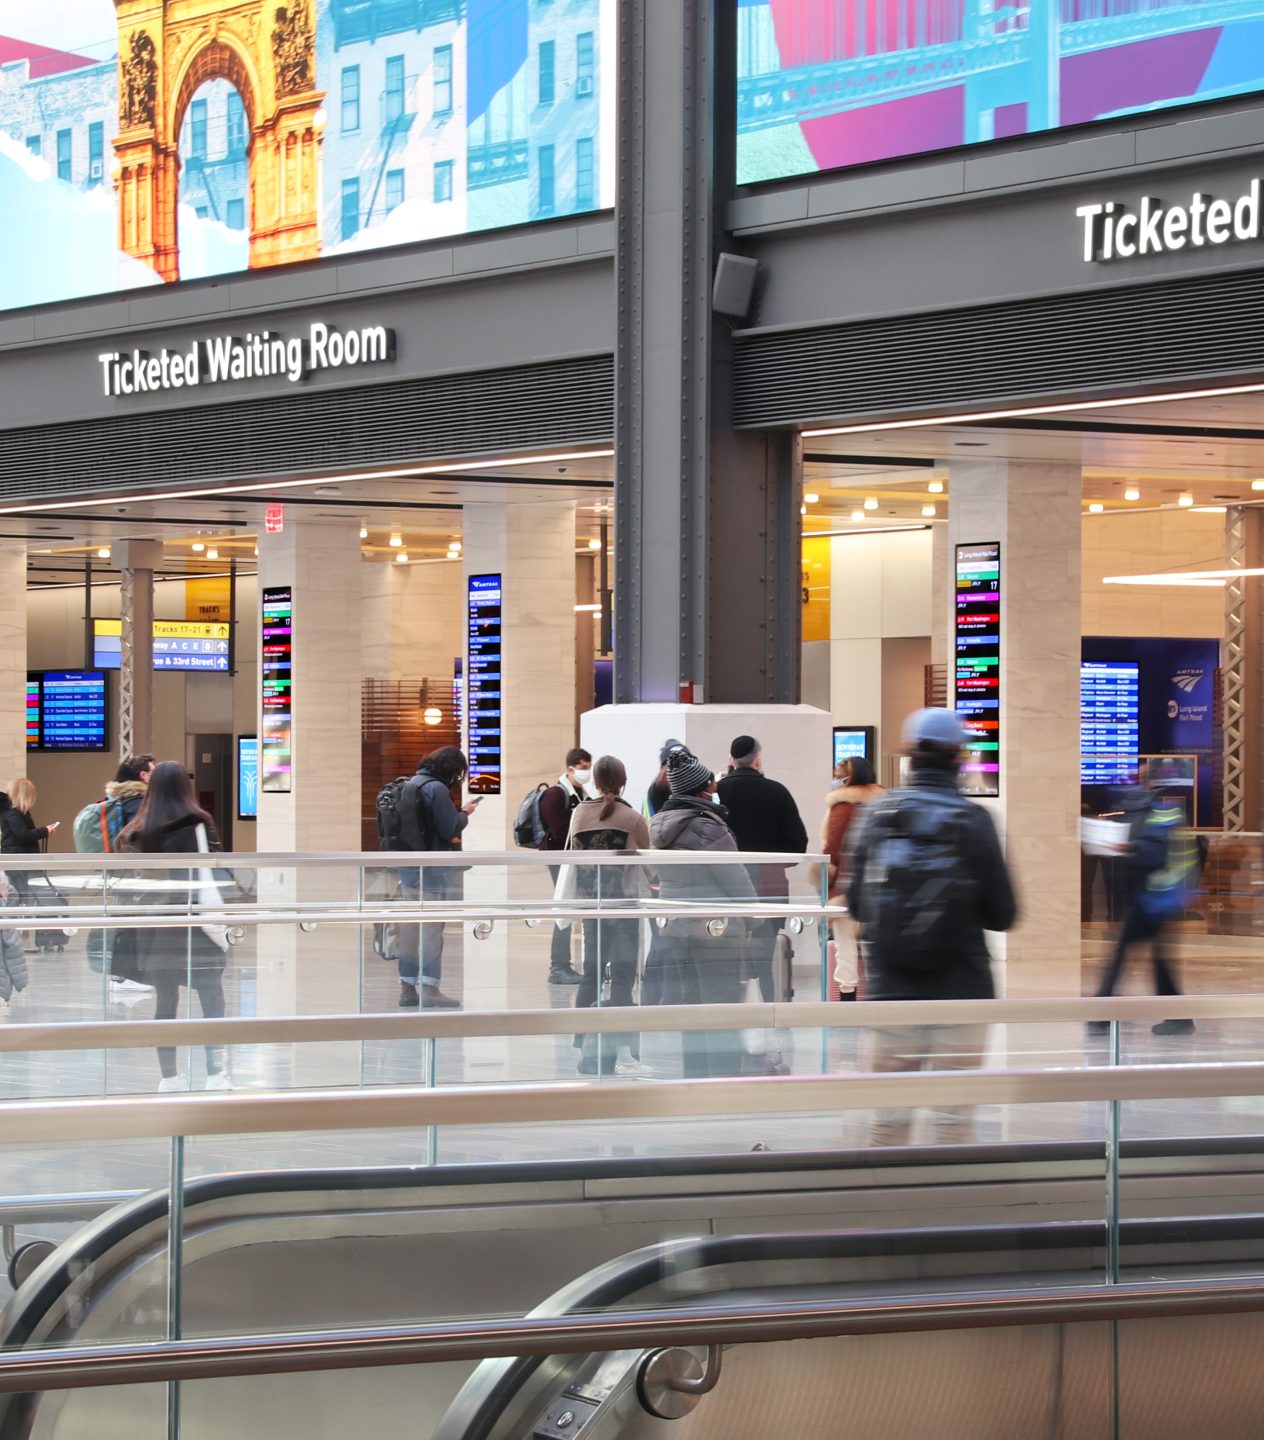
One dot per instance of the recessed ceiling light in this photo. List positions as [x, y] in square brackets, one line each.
[364, 534]
[197, 547]
[1185, 501]
[928, 511]
[871, 504]
[402, 558]
[396, 541]
[936, 487]
[594, 544]
[858, 515]
[1257, 484]
[103, 553]
[212, 554]
[811, 498]
[1132, 493]
[1096, 508]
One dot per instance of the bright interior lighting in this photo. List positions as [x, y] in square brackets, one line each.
[928, 511]
[197, 547]
[857, 516]
[454, 546]
[1132, 493]
[364, 534]
[936, 487]
[871, 503]
[212, 554]
[1257, 484]
[103, 553]
[432, 716]
[402, 558]
[396, 541]
[1185, 501]
[1096, 508]
[588, 609]
[803, 509]
[1183, 577]
[594, 544]
[408, 472]
[811, 498]
[1210, 509]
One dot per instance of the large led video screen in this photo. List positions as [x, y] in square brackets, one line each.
[830, 83]
[142, 144]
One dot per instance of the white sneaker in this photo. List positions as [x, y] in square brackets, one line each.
[121, 985]
[219, 1081]
[170, 1083]
[633, 1069]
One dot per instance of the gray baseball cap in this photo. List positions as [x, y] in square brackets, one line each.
[938, 726]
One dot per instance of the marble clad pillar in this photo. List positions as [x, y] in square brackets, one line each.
[1034, 511]
[318, 971]
[13, 649]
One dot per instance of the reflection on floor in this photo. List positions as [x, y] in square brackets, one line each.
[301, 974]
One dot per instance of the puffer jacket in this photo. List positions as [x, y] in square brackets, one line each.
[13, 976]
[688, 823]
[131, 796]
[842, 810]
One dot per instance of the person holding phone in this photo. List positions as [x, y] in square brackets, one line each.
[19, 834]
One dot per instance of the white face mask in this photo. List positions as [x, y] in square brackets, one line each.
[582, 777]
[837, 784]
[715, 798]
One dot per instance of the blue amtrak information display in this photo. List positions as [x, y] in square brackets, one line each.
[68, 710]
[1109, 721]
[978, 664]
[483, 684]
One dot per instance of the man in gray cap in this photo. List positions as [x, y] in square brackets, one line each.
[927, 879]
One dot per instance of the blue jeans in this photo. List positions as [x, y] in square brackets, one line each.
[421, 945]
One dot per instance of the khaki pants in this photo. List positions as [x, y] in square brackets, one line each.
[846, 936]
[931, 1048]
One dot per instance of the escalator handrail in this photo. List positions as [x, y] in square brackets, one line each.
[153, 1362]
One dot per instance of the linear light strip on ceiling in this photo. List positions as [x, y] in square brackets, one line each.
[1183, 577]
[411, 472]
[1022, 412]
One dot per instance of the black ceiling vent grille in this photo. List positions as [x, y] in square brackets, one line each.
[1173, 333]
[492, 413]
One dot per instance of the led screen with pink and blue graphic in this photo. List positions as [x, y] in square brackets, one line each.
[830, 83]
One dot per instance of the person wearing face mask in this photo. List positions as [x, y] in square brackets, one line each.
[699, 966]
[557, 804]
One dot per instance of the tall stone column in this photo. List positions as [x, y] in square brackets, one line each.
[1034, 512]
[137, 560]
[13, 652]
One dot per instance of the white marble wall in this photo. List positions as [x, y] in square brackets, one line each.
[1034, 511]
[13, 644]
[412, 619]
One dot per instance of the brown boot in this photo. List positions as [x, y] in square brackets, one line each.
[432, 998]
[408, 996]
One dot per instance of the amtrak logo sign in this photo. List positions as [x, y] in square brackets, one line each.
[1187, 680]
[1182, 707]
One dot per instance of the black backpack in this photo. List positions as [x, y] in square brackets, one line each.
[399, 822]
[529, 829]
[918, 894]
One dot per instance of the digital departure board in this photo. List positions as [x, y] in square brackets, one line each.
[276, 673]
[978, 664]
[199, 645]
[483, 684]
[73, 710]
[32, 712]
[1109, 721]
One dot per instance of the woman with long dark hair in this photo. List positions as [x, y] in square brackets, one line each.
[170, 822]
[843, 806]
[610, 946]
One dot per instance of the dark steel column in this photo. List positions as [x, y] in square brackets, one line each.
[707, 520]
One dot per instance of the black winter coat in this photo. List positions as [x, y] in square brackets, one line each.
[762, 813]
[966, 970]
[19, 834]
[179, 949]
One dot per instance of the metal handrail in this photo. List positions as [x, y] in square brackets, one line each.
[128, 1034]
[711, 1324]
[396, 859]
[565, 1103]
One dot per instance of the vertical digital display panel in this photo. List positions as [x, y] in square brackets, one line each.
[73, 710]
[276, 670]
[483, 687]
[247, 777]
[33, 726]
[1109, 721]
[977, 651]
[851, 741]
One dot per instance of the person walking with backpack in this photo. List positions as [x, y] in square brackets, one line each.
[425, 817]
[927, 878]
[558, 803]
[96, 831]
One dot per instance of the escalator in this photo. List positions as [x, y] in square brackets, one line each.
[283, 1251]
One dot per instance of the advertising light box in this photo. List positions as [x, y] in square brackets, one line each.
[247, 777]
[194, 645]
[142, 144]
[829, 83]
[977, 676]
